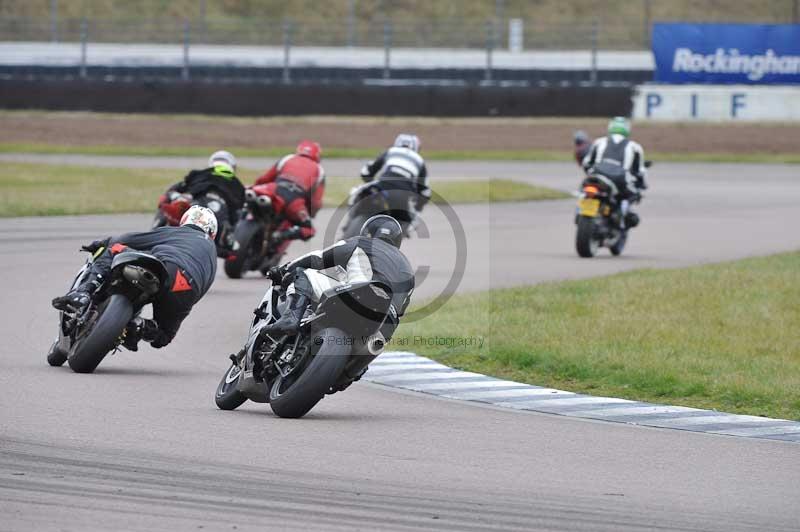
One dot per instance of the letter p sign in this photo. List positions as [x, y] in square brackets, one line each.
[652, 101]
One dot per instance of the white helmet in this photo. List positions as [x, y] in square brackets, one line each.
[202, 217]
[405, 140]
[222, 157]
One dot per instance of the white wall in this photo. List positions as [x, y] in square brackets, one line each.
[716, 103]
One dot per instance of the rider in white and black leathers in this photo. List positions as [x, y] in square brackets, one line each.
[621, 160]
[374, 255]
[402, 170]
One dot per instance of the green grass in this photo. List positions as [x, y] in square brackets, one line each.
[42, 189]
[724, 336]
[368, 153]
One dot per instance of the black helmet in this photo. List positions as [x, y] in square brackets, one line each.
[383, 227]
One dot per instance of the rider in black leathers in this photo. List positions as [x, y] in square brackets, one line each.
[374, 255]
[403, 178]
[190, 257]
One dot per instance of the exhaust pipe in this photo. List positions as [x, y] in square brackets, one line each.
[249, 195]
[264, 201]
[376, 344]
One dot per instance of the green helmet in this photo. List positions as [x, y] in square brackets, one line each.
[619, 125]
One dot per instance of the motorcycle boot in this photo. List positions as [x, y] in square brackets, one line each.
[290, 321]
[139, 329]
[78, 299]
[631, 219]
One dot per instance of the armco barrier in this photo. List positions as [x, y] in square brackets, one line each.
[299, 99]
[717, 103]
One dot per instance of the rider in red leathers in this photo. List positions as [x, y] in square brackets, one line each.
[296, 184]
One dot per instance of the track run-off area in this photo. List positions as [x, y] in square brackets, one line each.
[139, 445]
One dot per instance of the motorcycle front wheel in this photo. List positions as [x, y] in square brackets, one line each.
[293, 397]
[56, 357]
[92, 345]
[619, 245]
[227, 396]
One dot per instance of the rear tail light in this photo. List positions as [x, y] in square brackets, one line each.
[590, 190]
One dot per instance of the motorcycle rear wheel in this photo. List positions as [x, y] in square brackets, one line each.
[247, 235]
[316, 378]
[353, 226]
[89, 350]
[585, 242]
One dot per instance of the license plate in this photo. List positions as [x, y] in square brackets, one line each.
[589, 207]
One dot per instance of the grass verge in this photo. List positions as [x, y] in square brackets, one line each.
[369, 153]
[42, 189]
[723, 336]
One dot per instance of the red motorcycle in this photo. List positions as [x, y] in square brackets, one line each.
[254, 245]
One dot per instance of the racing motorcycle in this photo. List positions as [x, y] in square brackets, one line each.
[336, 342]
[599, 217]
[85, 338]
[369, 200]
[253, 248]
[173, 204]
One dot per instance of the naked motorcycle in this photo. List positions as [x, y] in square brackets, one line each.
[336, 342]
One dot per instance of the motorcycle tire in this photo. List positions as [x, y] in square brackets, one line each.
[89, 351]
[246, 234]
[316, 378]
[619, 245]
[353, 226]
[227, 396]
[585, 243]
[56, 357]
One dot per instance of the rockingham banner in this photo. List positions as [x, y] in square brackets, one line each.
[727, 53]
[716, 103]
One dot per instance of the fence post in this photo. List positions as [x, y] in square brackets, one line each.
[84, 39]
[54, 20]
[489, 49]
[287, 46]
[387, 49]
[351, 23]
[593, 73]
[646, 29]
[796, 11]
[186, 40]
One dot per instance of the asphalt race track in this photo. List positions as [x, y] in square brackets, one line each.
[139, 445]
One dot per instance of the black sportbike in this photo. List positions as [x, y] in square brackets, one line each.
[335, 344]
[86, 337]
[372, 199]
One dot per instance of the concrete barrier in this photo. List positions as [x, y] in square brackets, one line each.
[716, 103]
[262, 99]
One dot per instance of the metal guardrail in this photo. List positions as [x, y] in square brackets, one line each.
[487, 37]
